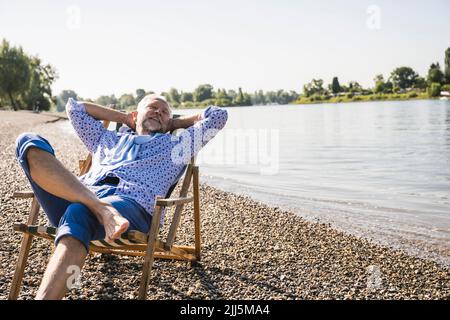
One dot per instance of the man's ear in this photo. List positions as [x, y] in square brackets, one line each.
[135, 114]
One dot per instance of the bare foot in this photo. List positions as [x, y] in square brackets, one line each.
[112, 221]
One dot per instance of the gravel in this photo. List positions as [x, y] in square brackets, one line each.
[249, 250]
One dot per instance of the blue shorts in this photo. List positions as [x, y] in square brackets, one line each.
[75, 219]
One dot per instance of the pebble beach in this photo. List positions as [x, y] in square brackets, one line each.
[249, 250]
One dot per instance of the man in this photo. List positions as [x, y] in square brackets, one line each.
[128, 171]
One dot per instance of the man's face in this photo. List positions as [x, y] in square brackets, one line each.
[155, 117]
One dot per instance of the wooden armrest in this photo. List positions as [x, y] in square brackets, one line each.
[23, 194]
[173, 201]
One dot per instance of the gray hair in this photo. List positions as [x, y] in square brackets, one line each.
[151, 97]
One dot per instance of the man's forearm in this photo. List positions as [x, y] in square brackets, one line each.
[185, 121]
[103, 113]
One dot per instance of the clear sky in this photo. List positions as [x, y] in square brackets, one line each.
[115, 47]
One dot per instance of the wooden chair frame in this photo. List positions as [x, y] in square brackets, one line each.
[149, 245]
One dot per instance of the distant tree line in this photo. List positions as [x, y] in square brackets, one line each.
[400, 80]
[25, 83]
[202, 96]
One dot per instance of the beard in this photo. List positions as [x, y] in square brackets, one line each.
[150, 125]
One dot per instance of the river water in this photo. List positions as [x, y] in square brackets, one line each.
[380, 170]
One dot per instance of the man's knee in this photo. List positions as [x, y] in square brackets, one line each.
[71, 242]
[77, 213]
[78, 216]
[23, 139]
[78, 223]
[28, 144]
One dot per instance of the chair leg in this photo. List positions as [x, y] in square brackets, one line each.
[149, 254]
[197, 214]
[23, 253]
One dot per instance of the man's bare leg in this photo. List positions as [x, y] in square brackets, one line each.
[68, 252]
[54, 178]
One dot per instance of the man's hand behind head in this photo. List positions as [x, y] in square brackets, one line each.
[131, 120]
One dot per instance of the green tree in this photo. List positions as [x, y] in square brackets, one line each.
[203, 92]
[379, 83]
[293, 96]
[165, 95]
[344, 88]
[222, 98]
[388, 87]
[140, 93]
[335, 86]
[314, 87]
[39, 92]
[63, 97]
[126, 100]
[247, 99]
[15, 73]
[186, 97]
[284, 97]
[239, 100]
[174, 96]
[242, 99]
[219, 94]
[231, 94]
[434, 89]
[259, 98]
[403, 77]
[421, 83]
[105, 100]
[354, 86]
[447, 65]
[271, 97]
[435, 74]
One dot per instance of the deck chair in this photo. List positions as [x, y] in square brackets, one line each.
[131, 243]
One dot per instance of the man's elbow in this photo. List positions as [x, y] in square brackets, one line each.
[223, 116]
[224, 113]
[70, 105]
[216, 117]
[73, 106]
